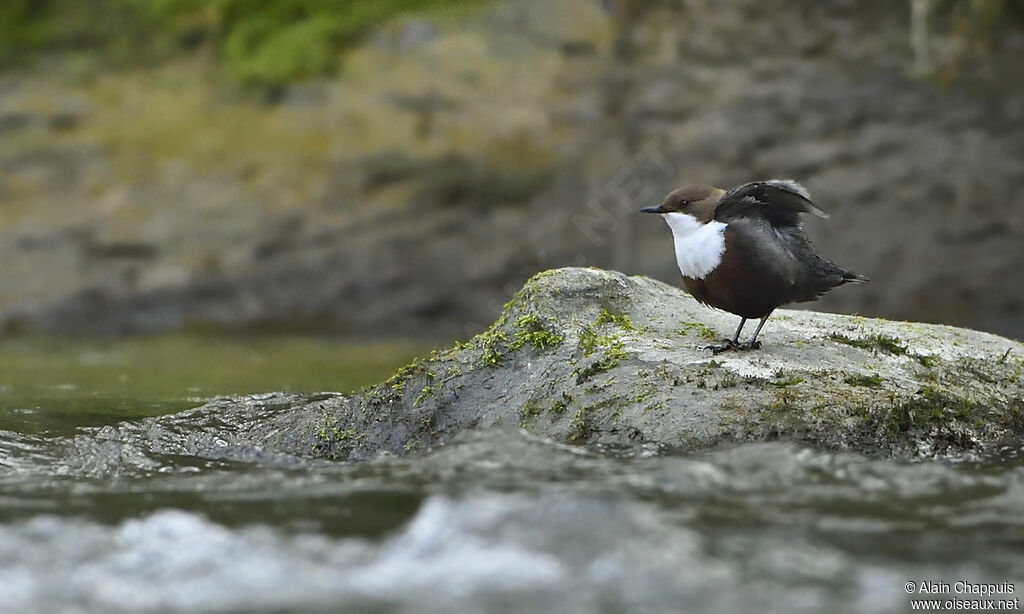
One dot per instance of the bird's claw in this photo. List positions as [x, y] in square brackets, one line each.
[725, 346]
[729, 344]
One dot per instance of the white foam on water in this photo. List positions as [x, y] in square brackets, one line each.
[179, 561]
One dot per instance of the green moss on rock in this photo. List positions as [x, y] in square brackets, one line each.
[702, 330]
[619, 319]
[425, 393]
[877, 342]
[930, 407]
[560, 405]
[869, 381]
[587, 340]
[613, 354]
[530, 410]
[580, 427]
[782, 380]
[532, 330]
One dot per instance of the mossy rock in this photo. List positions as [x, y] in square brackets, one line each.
[592, 356]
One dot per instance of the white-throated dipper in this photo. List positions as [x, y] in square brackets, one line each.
[743, 250]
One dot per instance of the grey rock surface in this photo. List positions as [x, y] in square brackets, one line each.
[593, 356]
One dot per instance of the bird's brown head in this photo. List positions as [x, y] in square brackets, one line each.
[696, 200]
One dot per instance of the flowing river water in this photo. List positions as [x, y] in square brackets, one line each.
[496, 521]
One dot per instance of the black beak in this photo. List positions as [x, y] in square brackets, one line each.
[658, 209]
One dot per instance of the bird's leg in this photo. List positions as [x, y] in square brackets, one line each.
[736, 337]
[754, 344]
[729, 344]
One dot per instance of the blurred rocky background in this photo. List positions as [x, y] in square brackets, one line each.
[399, 167]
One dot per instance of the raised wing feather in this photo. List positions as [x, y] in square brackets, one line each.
[780, 201]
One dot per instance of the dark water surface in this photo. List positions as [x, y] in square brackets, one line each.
[494, 522]
[55, 385]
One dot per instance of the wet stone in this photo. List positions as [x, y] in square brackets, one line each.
[587, 356]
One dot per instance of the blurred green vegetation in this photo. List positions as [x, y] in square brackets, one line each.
[266, 43]
[269, 43]
[112, 27]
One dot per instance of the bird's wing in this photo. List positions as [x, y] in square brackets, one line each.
[780, 201]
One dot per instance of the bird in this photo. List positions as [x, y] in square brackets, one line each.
[743, 250]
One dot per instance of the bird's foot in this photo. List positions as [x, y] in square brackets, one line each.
[725, 346]
[729, 344]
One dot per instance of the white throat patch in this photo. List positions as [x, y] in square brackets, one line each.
[699, 247]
